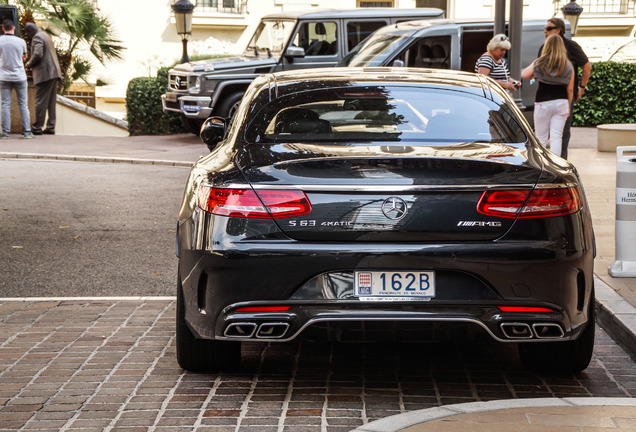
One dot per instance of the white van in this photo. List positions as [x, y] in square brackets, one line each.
[445, 44]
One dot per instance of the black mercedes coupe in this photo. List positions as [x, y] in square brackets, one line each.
[381, 200]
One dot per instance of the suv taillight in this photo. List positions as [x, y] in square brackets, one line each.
[247, 203]
[535, 203]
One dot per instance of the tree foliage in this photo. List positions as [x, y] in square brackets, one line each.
[26, 9]
[609, 97]
[143, 107]
[80, 25]
[77, 28]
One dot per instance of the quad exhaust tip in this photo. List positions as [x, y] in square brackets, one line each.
[274, 330]
[240, 329]
[547, 330]
[247, 330]
[516, 330]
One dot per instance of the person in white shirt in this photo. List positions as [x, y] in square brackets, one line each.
[13, 53]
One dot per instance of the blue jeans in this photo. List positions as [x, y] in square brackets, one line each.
[21, 92]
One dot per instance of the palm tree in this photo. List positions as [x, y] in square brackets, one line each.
[26, 9]
[78, 24]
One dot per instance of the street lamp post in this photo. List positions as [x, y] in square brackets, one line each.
[571, 12]
[183, 19]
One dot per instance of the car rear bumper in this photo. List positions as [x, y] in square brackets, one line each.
[289, 325]
[316, 282]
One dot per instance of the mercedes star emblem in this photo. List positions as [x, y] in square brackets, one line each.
[394, 208]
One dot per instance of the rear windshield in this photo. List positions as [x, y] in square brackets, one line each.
[379, 113]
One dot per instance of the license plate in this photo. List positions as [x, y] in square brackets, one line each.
[171, 97]
[194, 108]
[389, 284]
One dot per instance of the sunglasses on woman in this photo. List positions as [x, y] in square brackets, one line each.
[550, 28]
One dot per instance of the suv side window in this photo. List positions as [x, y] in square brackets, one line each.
[317, 38]
[357, 31]
[429, 52]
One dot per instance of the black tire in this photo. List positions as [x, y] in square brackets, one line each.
[227, 106]
[191, 125]
[570, 356]
[202, 355]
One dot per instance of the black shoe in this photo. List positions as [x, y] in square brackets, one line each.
[48, 132]
[36, 131]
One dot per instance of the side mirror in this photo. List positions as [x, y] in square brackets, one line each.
[213, 131]
[398, 63]
[294, 52]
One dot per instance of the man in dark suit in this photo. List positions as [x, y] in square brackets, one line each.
[46, 74]
[579, 60]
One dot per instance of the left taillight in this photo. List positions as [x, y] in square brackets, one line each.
[247, 203]
[536, 203]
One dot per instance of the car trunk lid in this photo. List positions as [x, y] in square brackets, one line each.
[407, 198]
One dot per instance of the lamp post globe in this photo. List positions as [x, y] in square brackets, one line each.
[571, 12]
[183, 19]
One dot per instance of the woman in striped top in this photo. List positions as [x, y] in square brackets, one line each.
[492, 63]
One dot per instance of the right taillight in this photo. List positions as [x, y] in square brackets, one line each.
[247, 203]
[534, 203]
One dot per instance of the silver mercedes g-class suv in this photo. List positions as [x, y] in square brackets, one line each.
[282, 41]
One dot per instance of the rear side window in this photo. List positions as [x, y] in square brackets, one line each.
[317, 38]
[429, 52]
[404, 114]
[357, 31]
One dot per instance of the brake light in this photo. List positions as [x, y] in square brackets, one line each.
[263, 309]
[530, 203]
[247, 203]
[524, 309]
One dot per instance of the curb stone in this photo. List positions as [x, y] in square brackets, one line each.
[616, 315]
[94, 159]
[402, 421]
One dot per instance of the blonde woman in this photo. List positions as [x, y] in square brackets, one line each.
[492, 62]
[555, 75]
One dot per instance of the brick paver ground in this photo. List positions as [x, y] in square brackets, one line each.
[109, 365]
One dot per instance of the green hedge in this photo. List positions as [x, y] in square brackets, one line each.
[609, 97]
[143, 107]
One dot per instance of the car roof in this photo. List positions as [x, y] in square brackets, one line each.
[418, 25]
[321, 78]
[357, 13]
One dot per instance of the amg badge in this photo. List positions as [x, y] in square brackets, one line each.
[494, 224]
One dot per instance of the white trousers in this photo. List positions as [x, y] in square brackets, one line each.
[549, 120]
